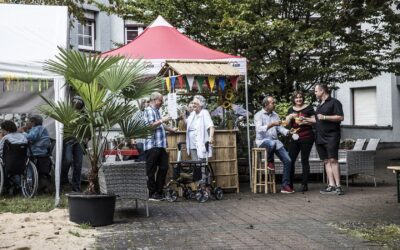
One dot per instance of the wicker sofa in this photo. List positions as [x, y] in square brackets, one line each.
[126, 179]
[316, 165]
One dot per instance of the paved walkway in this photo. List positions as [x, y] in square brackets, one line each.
[255, 221]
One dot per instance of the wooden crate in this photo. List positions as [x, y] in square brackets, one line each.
[224, 159]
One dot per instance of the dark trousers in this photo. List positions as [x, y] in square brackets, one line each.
[156, 161]
[72, 156]
[303, 146]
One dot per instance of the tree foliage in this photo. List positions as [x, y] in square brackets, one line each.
[289, 44]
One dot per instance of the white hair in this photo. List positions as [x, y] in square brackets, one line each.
[155, 96]
[201, 100]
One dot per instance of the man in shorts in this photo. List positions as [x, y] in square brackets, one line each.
[329, 114]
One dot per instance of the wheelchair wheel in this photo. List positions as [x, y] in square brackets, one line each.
[218, 193]
[171, 195]
[29, 181]
[1, 178]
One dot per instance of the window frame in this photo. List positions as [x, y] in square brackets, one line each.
[93, 30]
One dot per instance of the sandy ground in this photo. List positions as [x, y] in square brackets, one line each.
[51, 230]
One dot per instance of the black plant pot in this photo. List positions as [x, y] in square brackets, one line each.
[93, 209]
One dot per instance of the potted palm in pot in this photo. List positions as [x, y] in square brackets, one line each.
[107, 86]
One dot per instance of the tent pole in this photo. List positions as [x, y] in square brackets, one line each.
[248, 128]
[59, 95]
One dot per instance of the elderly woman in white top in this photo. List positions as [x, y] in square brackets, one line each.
[199, 130]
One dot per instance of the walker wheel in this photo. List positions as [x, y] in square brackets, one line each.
[188, 193]
[171, 195]
[202, 195]
[218, 193]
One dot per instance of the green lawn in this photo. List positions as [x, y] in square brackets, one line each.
[19, 204]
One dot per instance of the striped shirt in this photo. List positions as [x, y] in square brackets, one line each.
[158, 139]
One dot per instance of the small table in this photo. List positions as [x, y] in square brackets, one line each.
[396, 169]
[124, 152]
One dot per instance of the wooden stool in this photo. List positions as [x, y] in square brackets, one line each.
[260, 170]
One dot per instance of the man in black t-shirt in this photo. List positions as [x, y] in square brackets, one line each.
[329, 114]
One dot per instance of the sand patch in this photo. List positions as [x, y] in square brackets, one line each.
[43, 230]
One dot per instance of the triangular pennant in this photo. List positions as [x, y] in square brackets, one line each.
[168, 83]
[200, 81]
[234, 81]
[190, 80]
[186, 83]
[173, 79]
[221, 82]
[163, 84]
[211, 81]
[180, 80]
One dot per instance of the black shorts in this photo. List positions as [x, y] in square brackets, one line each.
[328, 151]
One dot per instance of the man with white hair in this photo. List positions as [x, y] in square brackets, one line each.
[155, 147]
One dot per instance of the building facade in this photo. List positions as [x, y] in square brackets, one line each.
[102, 32]
[371, 108]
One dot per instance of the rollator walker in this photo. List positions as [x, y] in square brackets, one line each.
[197, 172]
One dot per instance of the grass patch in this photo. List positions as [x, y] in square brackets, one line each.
[19, 204]
[85, 226]
[74, 233]
[385, 234]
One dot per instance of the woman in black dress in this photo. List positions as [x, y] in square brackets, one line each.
[305, 140]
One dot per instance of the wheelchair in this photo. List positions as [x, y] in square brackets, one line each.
[17, 171]
[45, 168]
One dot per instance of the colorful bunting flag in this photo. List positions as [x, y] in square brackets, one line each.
[234, 81]
[173, 79]
[180, 80]
[221, 82]
[211, 81]
[168, 83]
[200, 82]
[163, 84]
[190, 80]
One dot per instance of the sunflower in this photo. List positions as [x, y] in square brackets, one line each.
[227, 105]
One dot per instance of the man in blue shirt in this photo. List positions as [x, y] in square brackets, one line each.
[268, 125]
[154, 146]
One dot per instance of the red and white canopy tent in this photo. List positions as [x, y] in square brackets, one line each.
[161, 42]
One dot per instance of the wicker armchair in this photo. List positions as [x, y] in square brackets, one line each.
[126, 179]
[359, 161]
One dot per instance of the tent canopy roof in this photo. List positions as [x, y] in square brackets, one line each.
[207, 68]
[162, 41]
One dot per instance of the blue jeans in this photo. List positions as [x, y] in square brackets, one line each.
[283, 155]
[72, 155]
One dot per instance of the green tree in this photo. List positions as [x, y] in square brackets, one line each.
[290, 44]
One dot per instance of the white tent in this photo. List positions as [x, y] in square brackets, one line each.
[30, 35]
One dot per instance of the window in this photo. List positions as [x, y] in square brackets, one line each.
[364, 106]
[131, 33]
[86, 35]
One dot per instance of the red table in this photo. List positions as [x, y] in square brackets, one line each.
[124, 152]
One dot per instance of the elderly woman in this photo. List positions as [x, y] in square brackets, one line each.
[199, 130]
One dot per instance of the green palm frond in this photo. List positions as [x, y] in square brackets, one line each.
[136, 127]
[143, 87]
[122, 75]
[93, 94]
[76, 65]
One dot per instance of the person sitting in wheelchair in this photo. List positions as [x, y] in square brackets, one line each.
[9, 133]
[39, 139]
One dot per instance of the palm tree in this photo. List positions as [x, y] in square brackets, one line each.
[107, 85]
